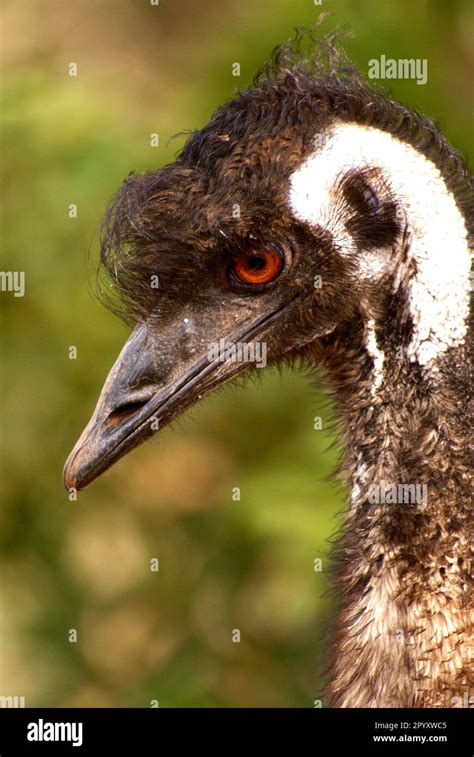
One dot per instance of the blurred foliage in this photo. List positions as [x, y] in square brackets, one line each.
[224, 565]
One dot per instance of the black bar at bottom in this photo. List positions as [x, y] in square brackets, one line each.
[154, 731]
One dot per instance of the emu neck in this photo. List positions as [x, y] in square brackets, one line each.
[402, 562]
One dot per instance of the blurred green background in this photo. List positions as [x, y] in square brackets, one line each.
[224, 565]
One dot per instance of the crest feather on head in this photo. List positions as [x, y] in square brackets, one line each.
[165, 226]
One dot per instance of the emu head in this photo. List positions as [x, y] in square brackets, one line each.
[284, 222]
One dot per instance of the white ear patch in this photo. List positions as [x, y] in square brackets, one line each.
[439, 291]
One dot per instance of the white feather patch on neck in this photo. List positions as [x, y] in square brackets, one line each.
[376, 354]
[439, 291]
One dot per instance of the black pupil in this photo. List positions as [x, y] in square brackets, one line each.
[256, 262]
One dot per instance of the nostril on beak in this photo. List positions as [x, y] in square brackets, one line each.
[122, 412]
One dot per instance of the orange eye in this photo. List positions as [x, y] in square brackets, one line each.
[258, 267]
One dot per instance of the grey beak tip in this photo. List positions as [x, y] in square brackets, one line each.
[69, 474]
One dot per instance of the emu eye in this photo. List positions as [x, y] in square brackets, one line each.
[259, 266]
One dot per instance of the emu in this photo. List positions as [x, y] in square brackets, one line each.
[318, 217]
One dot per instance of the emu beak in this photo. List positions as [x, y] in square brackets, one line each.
[156, 377]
